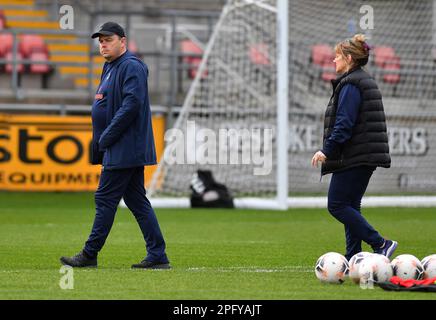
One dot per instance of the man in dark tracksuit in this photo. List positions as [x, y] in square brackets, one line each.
[123, 143]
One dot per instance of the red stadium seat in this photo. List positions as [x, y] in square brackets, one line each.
[328, 74]
[394, 65]
[39, 68]
[386, 58]
[259, 54]
[383, 54]
[9, 66]
[189, 47]
[6, 43]
[323, 56]
[321, 53]
[132, 46]
[193, 72]
[31, 43]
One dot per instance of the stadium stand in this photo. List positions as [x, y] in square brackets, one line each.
[70, 56]
[408, 32]
[399, 76]
[23, 15]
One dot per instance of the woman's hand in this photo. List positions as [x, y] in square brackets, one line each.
[318, 157]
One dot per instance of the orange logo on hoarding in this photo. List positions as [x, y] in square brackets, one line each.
[52, 153]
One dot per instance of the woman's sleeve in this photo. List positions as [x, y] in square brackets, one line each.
[346, 116]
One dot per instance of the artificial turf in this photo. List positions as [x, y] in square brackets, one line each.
[215, 254]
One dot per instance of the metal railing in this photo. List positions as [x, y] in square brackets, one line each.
[15, 61]
[172, 55]
[66, 109]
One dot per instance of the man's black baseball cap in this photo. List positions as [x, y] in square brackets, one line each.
[109, 29]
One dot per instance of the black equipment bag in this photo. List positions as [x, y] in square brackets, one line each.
[207, 193]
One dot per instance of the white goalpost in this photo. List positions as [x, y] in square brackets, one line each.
[282, 103]
[253, 115]
[232, 79]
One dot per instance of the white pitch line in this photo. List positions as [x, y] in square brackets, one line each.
[253, 269]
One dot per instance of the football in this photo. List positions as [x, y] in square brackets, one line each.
[375, 268]
[354, 265]
[331, 267]
[407, 266]
[429, 266]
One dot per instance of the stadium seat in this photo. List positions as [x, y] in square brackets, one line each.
[328, 75]
[6, 43]
[394, 65]
[323, 56]
[9, 66]
[34, 48]
[386, 58]
[132, 46]
[259, 54]
[39, 68]
[31, 43]
[321, 52]
[383, 54]
[189, 47]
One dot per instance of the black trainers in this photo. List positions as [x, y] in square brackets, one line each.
[80, 260]
[388, 248]
[144, 264]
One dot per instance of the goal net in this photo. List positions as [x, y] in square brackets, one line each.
[229, 122]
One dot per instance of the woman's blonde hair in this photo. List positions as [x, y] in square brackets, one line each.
[356, 47]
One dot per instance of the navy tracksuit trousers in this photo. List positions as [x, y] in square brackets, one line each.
[129, 185]
[344, 198]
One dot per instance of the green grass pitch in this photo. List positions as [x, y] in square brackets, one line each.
[215, 254]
